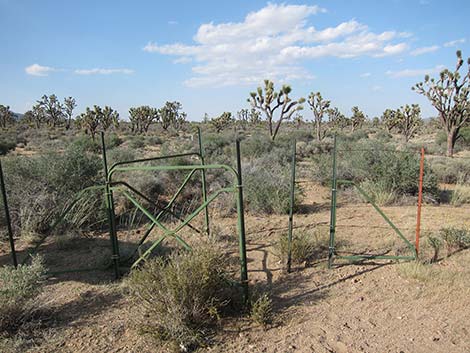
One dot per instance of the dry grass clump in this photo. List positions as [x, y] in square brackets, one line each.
[306, 245]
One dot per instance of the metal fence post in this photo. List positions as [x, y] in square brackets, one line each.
[204, 186]
[7, 218]
[420, 201]
[111, 215]
[241, 225]
[331, 247]
[291, 207]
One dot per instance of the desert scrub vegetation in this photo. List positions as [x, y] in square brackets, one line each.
[261, 309]
[305, 246]
[455, 238]
[450, 238]
[40, 187]
[18, 288]
[388, 174]
[180, 298]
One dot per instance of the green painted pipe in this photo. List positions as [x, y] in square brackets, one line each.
[291, 208]
[7, 218]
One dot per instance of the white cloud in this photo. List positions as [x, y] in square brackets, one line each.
[376, 88]
[97, 71]
[39, 70]
[365, 75]
[454, 43]
[272, 43]
[172, 23]
[424, 50]
[415, 72]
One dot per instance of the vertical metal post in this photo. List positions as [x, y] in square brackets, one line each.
[291, 207]
[204, 187]
[331, 247]
[420, 201]
[111, 215]
[241, 226]
[7, 218]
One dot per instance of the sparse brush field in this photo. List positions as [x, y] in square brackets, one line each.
[181, 300]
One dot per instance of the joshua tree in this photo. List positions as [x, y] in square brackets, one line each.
[109, 117]
[269, 101]
[92, 120]
[142, 117]
[357, 119]
[336, 119]
[222, 121]
[449, 95]
[170, 115]
[6, 116]
[298, 120]
[242, 118]
[319, 107]
[409, 120]
[36, 116]
[389, 119]
[69, 106]
[53, 109]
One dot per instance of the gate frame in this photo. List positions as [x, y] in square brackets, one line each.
[331, 246]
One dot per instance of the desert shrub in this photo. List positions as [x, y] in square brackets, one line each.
[451, 170]
[394, 171]
[378, 192]
[455, 238]
[262, 309]
[383, 136]
[355, 136]
[17, 287]
[460, 195]
[7, 145]
[267, 187]
[120, 154]
[40, 187]
[87, 144]
[179, 299]
[136, 142]
[154, 140]
[305, 150]
[112, 141]
[435, 242]
[218, 147]
[305, 246]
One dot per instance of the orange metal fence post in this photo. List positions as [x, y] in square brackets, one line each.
[420, 200]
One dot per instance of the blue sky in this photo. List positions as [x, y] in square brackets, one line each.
[210, 54]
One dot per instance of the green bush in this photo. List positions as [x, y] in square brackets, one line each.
[40, 187]
[18, 287]
[136, 142]
[305, 246]
[395, 172]
[455, 238]
[6, 146]
[267, 187]
[262, 310]
[450, 170]
[178, 299]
